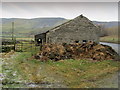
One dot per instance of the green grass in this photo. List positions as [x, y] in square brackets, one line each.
[71, 73]
[11, 64]
[111, 39]
[82, 73]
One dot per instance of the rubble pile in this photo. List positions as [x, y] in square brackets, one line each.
[89, 50]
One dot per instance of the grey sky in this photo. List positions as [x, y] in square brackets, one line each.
[59, 0]
[94, 11]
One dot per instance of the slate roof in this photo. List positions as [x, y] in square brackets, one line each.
[68, 22]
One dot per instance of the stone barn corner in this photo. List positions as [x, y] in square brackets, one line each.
[77, 30]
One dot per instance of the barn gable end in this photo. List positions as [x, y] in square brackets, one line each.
[79, 29]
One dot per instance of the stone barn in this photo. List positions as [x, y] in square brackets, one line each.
[77, 30]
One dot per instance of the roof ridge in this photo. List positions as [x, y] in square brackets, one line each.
[68, 22]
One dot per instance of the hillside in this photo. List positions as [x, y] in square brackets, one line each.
[33, 23]
[107, 24]
[27, 27]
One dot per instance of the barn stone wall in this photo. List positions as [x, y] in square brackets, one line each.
[78, 29]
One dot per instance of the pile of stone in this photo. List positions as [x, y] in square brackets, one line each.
[90, 50]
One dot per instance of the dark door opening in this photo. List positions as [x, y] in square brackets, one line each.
[39, 41]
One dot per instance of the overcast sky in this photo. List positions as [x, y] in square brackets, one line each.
[94, 11]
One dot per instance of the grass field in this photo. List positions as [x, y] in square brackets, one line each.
[111, 39]
[64, 73]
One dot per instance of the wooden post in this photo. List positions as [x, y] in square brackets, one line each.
[13, 38]
[31, 48]
[12, 31]
[21, 46]
[14, 43]
[41, 44]
[35, 48]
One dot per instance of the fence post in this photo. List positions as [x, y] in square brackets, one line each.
[31, 48]
[14, 44]
[21, 46]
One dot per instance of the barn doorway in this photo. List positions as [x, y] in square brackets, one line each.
[40, 38]
[39, 41]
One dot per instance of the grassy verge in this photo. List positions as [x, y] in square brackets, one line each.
[69, 73]
[110, 39]
[82, 73]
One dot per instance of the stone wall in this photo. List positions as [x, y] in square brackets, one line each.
[78, 29]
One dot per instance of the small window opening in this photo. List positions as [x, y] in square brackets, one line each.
[76, 41]
[84, 41]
